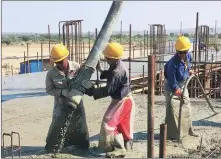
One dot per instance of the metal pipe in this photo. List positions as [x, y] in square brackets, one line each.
[68, 38]
[140, 49]
[81, 42]
[83, 51]
[28, 69]
[163, 139]
[24, 62]
[133, 50]
[76, 40]
[37, 62]
[97, 82]
[143, 79]
[63, 29]
[144, 44]
[72, 42]
[89, 42]
[12, 146]
[151, 90]
[129, 54]
[12, 70]
[49, 44]
[42, 57]
[196, 36]
[147, 44]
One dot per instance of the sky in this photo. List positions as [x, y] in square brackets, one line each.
[35, 16]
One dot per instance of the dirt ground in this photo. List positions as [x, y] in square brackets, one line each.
[31, 117]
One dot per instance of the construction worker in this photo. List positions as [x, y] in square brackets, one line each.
[116, 134]
[60, 135]
[177, 71]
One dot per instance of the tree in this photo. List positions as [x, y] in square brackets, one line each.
[219, 36]
[25, 38]
[186, 34]
[172, 34]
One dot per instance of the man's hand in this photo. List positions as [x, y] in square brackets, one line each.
[191, 72]
[178, 92]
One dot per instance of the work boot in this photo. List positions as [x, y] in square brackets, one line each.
[119, 149]
[128, 145]
[192, 133]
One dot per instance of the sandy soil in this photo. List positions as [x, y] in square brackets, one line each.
[31, 117]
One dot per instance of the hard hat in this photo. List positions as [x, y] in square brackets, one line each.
[182, 43]
[59, 52]
[113, 50]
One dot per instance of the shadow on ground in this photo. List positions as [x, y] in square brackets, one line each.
[203, 122]
[22, 95]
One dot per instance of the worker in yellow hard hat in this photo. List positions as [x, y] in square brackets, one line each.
[116, 134]
[60, 136]
[177, 71]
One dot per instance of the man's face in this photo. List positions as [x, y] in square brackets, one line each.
[182, 54]
[63, 65]
[110, 61]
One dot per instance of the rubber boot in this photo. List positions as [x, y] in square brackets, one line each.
[192, 133]
[128, 145]
[119, 149]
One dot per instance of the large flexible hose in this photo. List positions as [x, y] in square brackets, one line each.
[182, 101]
[201, 87]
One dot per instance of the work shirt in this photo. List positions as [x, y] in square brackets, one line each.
[176, 70]
[56, 80]
[117, 85]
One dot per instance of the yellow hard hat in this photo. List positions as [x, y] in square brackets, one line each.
[113, 50]
[59, 52]
[182, 43]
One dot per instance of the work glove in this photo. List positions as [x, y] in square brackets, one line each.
[89, 86]
[90, 92]
[178, 92]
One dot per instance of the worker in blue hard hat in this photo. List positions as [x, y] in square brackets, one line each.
[177, 71]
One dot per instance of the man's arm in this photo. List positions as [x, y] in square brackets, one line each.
[51, 90]
[171, 76]
[111, 86]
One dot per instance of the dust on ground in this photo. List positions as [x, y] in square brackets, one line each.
[31, 117]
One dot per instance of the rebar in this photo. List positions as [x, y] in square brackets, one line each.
[163, 139]
[151, 90]
[75, 35]
[129, 53]
[42, 57]
[28, 69]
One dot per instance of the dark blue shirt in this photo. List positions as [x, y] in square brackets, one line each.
[175, 70]
[117, 86]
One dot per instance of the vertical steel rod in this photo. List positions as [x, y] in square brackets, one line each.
[163, 139]
[151, 92]
[130, 54]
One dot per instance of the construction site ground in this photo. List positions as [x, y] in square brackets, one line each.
[31, 115]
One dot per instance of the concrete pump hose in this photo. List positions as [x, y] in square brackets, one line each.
[201, 87]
